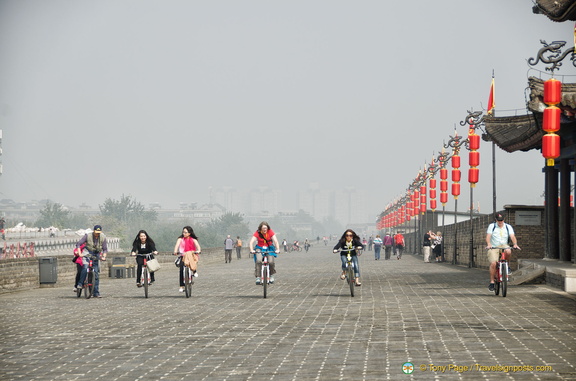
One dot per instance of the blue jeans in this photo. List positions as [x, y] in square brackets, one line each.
[377, 249]
[96, 275]
[354, 261]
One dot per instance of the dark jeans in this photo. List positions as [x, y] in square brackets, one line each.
[96, 268]
[239, 252]
[227, 255]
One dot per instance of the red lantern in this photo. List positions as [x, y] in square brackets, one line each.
[443, 174]
[455, 190]
[456, 174]
[443, 186]
[551, 121]
[443, 197]
[474, 158]
[552, 91]
[432, 183]
[433, 204]
[474, 141]
[455, 162]
[432, 194]
[473, 174]
[551, 146]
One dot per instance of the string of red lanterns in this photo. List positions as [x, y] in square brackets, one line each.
[551, 122]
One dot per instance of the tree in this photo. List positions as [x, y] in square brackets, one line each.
[124, 217]
[126, 210]
[53, 214]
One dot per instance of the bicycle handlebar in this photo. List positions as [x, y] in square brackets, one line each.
[503, 248]
[359, 248]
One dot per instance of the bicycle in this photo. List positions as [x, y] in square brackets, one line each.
[265, 272]
[502, 269]
[145, 276]
[350, 272]
[296, 248]
[89, 281]
[189, 275]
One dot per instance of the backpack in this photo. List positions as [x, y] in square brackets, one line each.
[398, 238]
[510, 243]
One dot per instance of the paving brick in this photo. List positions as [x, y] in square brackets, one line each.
[309, 328]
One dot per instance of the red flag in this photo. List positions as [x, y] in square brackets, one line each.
[491, 99]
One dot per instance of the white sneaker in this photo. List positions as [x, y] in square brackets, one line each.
[258, 281]
[75, 289]
[195, 274]
[272, 279]
[181, 289]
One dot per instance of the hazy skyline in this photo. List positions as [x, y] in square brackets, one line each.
[163, 100]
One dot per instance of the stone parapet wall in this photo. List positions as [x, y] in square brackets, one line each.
[24, 273]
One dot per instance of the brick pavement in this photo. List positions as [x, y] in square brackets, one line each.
[309, 328]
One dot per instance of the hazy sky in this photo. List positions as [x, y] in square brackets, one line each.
[162, 99]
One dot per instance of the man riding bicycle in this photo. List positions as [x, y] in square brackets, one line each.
[499, 234]
[97, 248]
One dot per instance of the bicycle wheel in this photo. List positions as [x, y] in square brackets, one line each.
[188, 282]
[350, 277]
[504, 279]
[497, 280]
[145, 280]
[89, 285]
[265, 277]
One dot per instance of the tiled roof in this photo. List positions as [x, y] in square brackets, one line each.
[556, 10]
[515, 133]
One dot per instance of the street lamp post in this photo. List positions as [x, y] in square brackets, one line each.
[455, 143]
[472, 144]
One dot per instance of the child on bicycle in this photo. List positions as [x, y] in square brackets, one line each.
[265, 239]
[349, 240]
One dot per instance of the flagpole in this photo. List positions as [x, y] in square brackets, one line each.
[492, 111]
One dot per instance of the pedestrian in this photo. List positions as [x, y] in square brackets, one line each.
[188, 249]
[498, 235]
[388, 246]
[97, 248]
[377, 246]
[349, 241]
[2, 223]
[285, 244]
[142, 245]
[399, 243]
[265, 240]
[437, 246]
[370, 243]
[228, 246]
[306, 245]
[427, 246]
[238, 246]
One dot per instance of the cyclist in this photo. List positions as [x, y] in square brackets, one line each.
[97, 247]
[143, 244]
[188, 248]
[264, 237]
[349, 240]
[499, 234]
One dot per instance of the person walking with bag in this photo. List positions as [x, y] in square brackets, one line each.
[188, 248]
[141, 246]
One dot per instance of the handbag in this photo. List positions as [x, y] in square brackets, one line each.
[153, 265]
